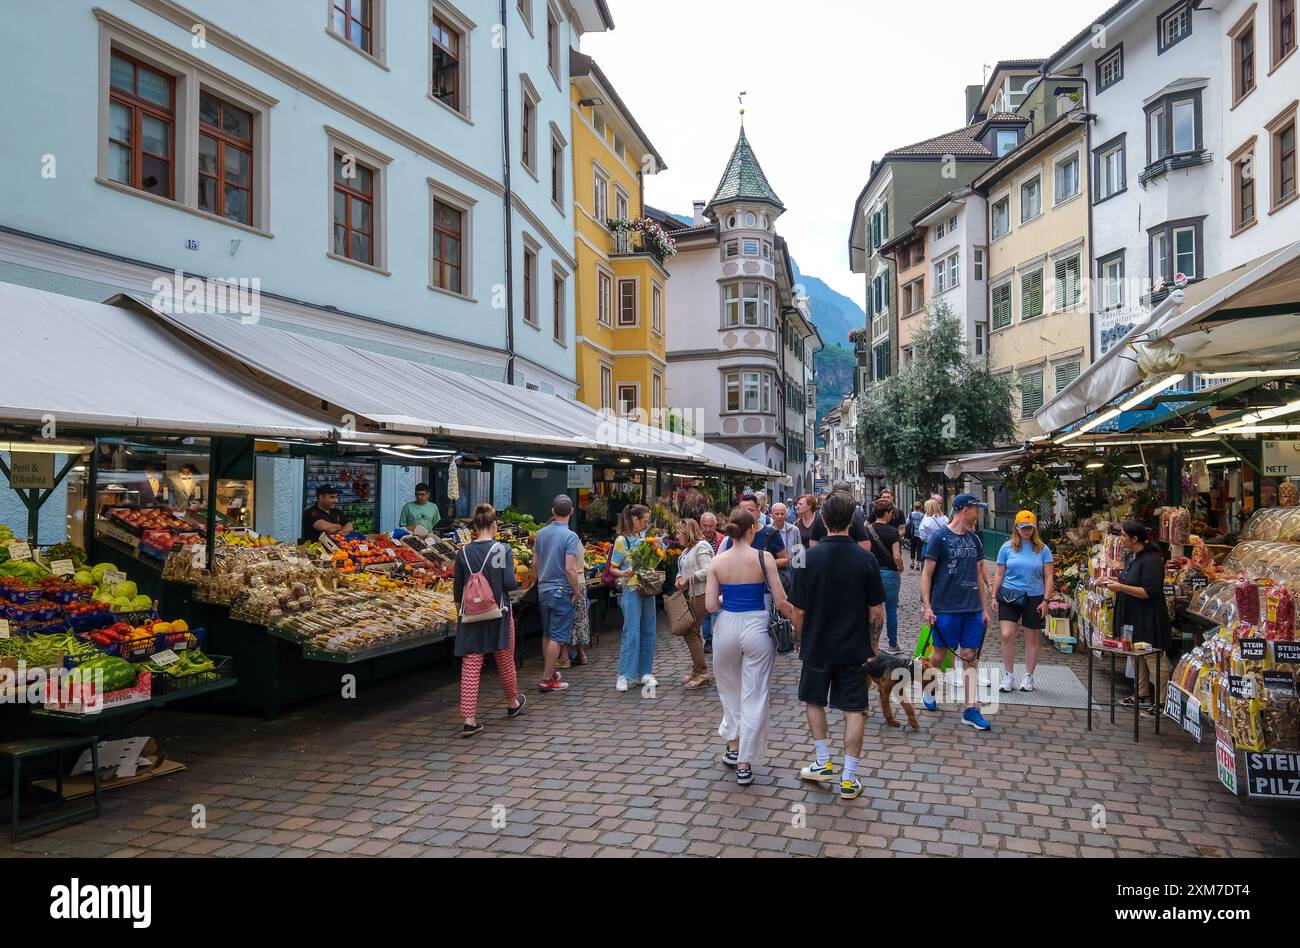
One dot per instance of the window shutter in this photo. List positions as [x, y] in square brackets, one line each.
[884, 222]
[1031, 393]
[1002, 306]
[1066, 373]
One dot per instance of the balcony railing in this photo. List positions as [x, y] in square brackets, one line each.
[632, 242]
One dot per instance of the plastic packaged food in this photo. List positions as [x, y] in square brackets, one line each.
[1245, 703]
[1279, 614]
[1280, 714]
[1288, 495]
[1247, 600]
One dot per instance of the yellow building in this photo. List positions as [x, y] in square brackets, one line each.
[1039, 301]
[621, 283]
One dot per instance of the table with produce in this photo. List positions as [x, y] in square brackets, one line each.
[94, 622]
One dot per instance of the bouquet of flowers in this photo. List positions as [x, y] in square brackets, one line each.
[646, 559]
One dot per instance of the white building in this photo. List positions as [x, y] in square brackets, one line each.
[1157, 149]
[839, 459]
[345, 153]
[740, 343]
[1261, 76]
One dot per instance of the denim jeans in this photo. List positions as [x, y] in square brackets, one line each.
[636, 649]
[556, 607]
[891, 579]
[706, 627]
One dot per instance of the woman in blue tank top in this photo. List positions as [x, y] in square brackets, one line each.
[741, 582]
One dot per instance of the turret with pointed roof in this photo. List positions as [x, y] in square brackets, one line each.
[744, 179]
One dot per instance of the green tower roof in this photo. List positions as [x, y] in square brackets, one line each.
[744, 179]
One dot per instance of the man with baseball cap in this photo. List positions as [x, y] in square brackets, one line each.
[954, 593]
[324, 516]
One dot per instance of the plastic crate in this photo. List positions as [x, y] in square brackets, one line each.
[90, 621]
[17, 595]
[223, 667]
[136, 618]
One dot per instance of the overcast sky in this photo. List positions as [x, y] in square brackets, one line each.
[832, 85]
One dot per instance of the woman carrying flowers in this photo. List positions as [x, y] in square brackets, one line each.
[633, 554]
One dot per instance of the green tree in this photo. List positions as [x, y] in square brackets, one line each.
[942, 402]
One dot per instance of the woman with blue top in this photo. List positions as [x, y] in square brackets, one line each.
[636, 649]
[739, 583]
[1022, 588]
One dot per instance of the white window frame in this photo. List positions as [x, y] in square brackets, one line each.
[528, 137]
[993, 216]
[1060, 162]
[604, 297]
[619, 283]
[634, 412]
[560, 281]
[750, 247]
[559, 143]
[1110, 69]
[622, 204]
[978, 255]
[606, 387]
[1112, 283]
[1119, 153]
[555, 22]
[656, 307]
[532, 308]
[731, 249]
[599, 195]
[1035, 178]
[656, 399]
[981, 339]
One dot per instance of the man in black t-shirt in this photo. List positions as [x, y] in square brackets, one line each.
[841, 598]
[896, 518]
[857, 528]
[324, 516]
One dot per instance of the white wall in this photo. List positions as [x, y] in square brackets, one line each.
[1122, 221]
[52, 56]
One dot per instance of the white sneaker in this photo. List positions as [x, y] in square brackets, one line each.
[1027, 683]
[649, 681]
[1008, 683]
[621, 684]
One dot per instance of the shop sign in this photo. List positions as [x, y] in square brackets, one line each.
[1241, 687]
[1281, 458]
[1273, 775]
[62, 568]
[1114, 324]
[1225, 753]
[31, 470]
[580, 476]
[20, 550]
[1280, 683]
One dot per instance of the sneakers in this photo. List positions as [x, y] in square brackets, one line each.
[892, 649]
[517, 709]
[976, 720]
[927, 699]
[818, 774]
[649, 681]
[553, 684]
[731, 757]
[744, 776]
[1027, 683]
[1008, 683]
[469, 730]
[621, 684]
[850, 789]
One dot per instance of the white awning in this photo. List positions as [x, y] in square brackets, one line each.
[398, 395]
[83, 364]
[1243, 318]
[983, 463]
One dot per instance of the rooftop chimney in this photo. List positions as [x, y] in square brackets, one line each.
[699, 214]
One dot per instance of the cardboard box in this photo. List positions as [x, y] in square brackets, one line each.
[83, 701]
[122, 763]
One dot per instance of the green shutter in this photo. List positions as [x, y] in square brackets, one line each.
[1031, 393]
[1031, 295]
[1066, 373]
[1002, 306]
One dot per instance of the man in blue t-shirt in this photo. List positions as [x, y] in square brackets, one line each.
[954, 593]
[557, 554]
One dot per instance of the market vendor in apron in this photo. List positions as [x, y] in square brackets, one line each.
[324, 516]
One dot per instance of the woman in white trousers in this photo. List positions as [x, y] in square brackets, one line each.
[738, 583]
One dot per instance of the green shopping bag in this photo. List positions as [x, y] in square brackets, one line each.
[925, 647]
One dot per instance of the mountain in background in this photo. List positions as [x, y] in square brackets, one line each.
[834, 314]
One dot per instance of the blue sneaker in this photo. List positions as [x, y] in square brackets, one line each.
[976, 720]
[927, 699]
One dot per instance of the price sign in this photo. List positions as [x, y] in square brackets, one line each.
[363, 548]
[1285, 652]
[1192, 718]
[63, 568]
[114, 576]
[1174, 702]
[4, 628]
[1280, 683]
[1254, 650]
[1241, 686]
[1225, 754]
[199, 558]
[20, 550]
[165, 657]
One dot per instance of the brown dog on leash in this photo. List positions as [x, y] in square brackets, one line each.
[892, 673]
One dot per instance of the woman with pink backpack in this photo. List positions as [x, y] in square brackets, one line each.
[485, 574]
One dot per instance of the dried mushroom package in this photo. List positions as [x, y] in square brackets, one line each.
[1245, 706]
[1280, 716]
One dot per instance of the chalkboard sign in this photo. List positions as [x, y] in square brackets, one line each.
[1254, 650]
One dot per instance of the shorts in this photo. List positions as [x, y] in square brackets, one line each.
[844, 685]
[557, 613]
[1025, 613]
[958, 630]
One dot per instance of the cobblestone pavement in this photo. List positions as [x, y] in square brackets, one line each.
[596, 773]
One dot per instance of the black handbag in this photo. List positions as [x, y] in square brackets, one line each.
[778, 626]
